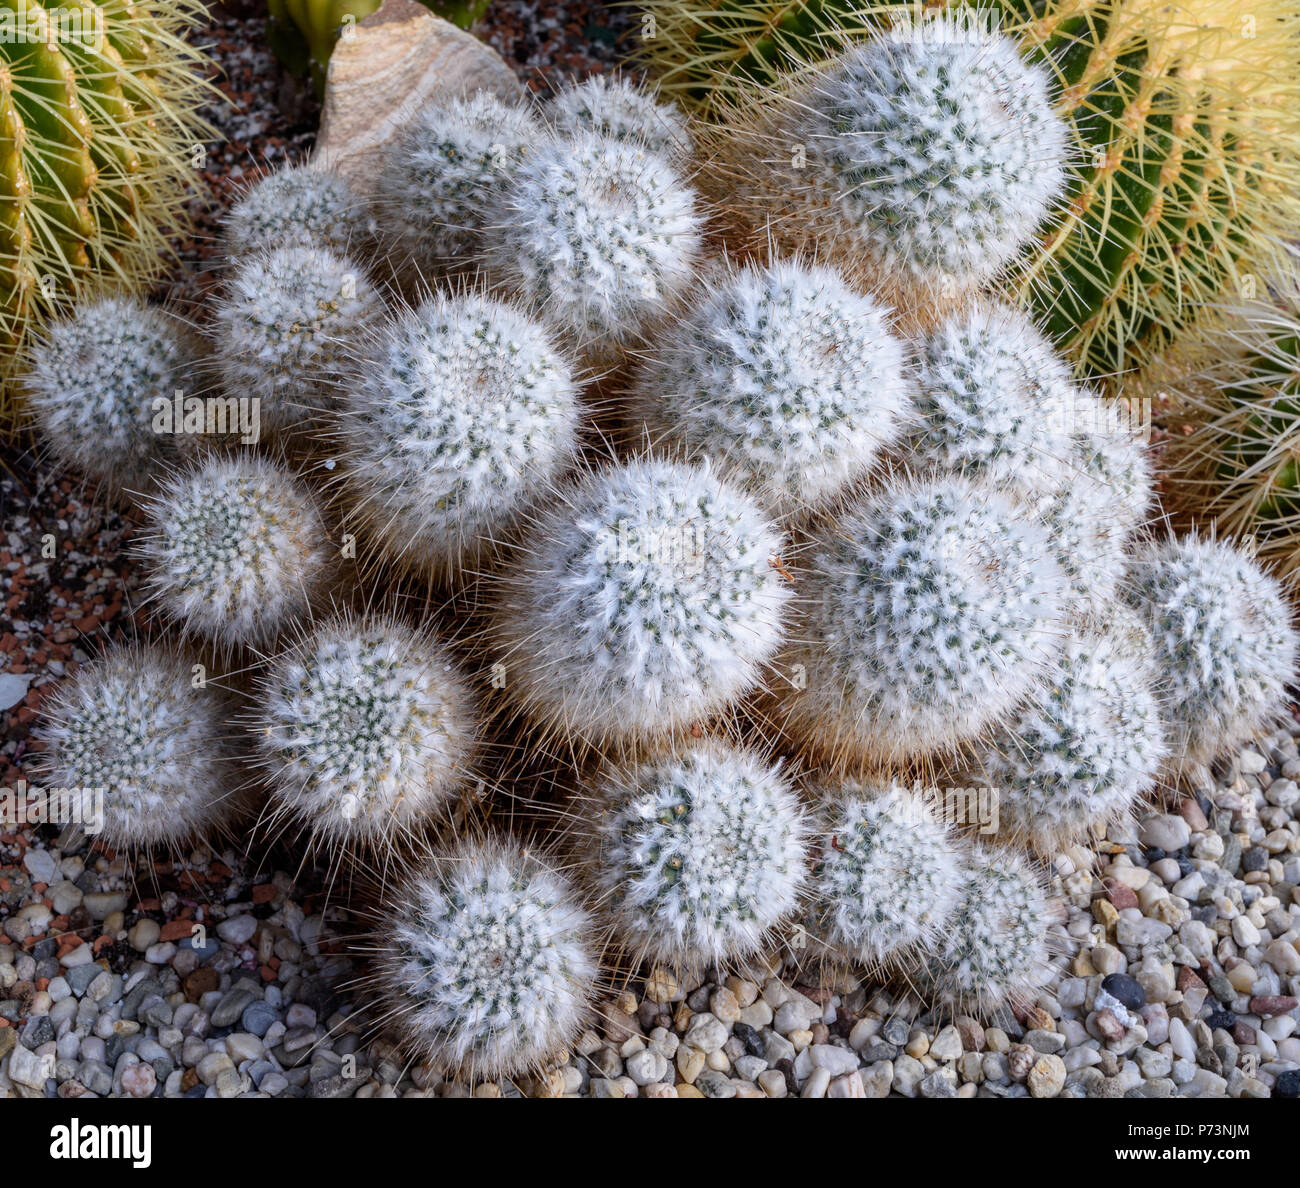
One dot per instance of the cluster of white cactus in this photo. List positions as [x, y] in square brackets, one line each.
[669, 499]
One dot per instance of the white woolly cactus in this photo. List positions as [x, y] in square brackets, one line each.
[134, 725]
[888, 874]
[365, 728]
[1088, 749]
[994, 950]
[930, 612]
[1224, 643]
[785, 377]
[92, 382]
[483, 961]
[601, 234]
[992, 399]
[619, 109]
[696, 855]
[461, 414]
[648, 599]
[1115, 456]
[439, 175]
[933, 154]
[298, 206]
[236, 550]
[284, 327]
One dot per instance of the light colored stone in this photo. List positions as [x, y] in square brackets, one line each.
[391, 64]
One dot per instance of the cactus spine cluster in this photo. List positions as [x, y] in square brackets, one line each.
[299, 206]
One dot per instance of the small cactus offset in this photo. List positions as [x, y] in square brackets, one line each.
[1088, 751]
[1224, 644]
[236, 551]
[445, 167]
[695, 856]
[93, 380]
[601, 235]
[792, 383]
[995, 949]
[298, 206]
[924, 159]
[887, 877]
[461, 416]
[135, 727]
[364, 728]
[620, 110]
[929, 613]
[483, 962]
[284, 328]
[647, 601]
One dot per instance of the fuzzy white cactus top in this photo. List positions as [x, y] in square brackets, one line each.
[440, 174]
[995, 949]
[888, 874]
[92, 379]
[236, 550]
[617, 108]
[601, 234]
[647, 600]
[992, 399]
[937, 149]
[697, 855]
[1089, 748]
[133, 726]
[298, 206]
[785, 377]
[931, 611]
[1225, 646]
[365, 727]
[284, 328]
[462, 413]
[484, 961]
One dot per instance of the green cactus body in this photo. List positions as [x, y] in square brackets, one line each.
[1186, 133]
[98, 126]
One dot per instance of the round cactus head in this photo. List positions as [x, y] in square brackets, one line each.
[94, 381]
[1224, 644]
[236, 550]
[365, 728]
[994, 949]
[647, 600]
[284, 328]
[1089, 748]
[929, 612]
[888, 874]
[1114, 456]
[601, 234]
[440, 174]
[696, 855]
[134, 728]
[483, 962]
[297, 206]
[619, 109]
[782, 374]
[460, 416]
[932, 154]
[991, 398]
